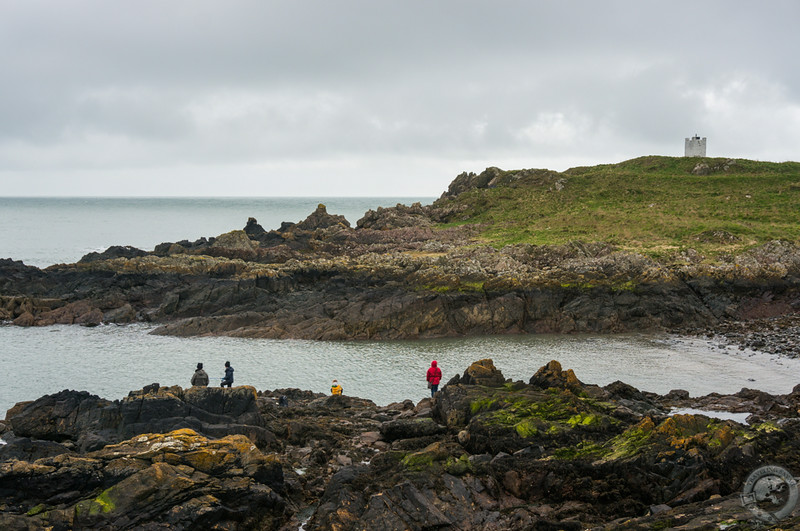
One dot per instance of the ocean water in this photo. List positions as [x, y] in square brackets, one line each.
[111, 360]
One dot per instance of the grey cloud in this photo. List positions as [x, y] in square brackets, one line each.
[248, 84]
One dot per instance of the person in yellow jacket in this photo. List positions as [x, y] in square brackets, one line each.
[336, 389]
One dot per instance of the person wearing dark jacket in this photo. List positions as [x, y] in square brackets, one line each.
[228, 379]
[199, 378]
[434, 376]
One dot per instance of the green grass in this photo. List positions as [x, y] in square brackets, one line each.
[653, 205]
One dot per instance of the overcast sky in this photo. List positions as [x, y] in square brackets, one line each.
[375, 98]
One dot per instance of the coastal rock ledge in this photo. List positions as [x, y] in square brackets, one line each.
[643, 245]
[487, 453]
[338, 283]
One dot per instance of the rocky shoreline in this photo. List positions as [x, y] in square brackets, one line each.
[772, 335]
[416, 271]
[486, 453]
[419, 271]
[396, 277]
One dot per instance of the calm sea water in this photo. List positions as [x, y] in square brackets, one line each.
[111, 360]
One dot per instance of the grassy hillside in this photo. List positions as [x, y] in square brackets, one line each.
[654, 205]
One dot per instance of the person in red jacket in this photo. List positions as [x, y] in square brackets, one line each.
[433, 376]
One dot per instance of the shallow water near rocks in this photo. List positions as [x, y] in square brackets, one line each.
[741, 418]
[112, 360]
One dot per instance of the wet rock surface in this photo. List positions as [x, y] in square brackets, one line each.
[775, 335]
[398, 276]
[485, 453]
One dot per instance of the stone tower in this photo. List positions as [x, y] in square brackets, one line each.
[695, 147]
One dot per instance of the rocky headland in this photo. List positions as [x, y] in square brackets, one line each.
[416, 271]
[486, 453]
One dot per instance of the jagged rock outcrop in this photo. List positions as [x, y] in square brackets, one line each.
[320, 219]
[253, 229]
[553, 454]
[236, 240]
[87, 422]
[551, 376]
[183, 246]
[394, 218]
[492, 177]
[14, 307]
[17, 279]
[469, 180]
[482, 372]
[115, 251]
[175, 480]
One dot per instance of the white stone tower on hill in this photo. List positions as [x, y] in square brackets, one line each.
[695, 147]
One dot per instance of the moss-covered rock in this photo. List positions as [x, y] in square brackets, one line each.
[435, 455]
[153, 479]
[558, 455]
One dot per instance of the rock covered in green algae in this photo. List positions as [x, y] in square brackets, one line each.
[553, 454]
[556, 455]
[176, 480]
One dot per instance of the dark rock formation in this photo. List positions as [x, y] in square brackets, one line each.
[253, 229]
[88, 422]
[115, 251]
[489, 178]
[183, 246]
[395, 218]
[486, 453]
[176, 480]
[398, 275]
[551, 376]
[493, 177]
[482, 372]
[320, 219]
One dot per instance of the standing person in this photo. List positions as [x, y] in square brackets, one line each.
[433, 376]
[199, 378]
[336, 389]
[228, 379]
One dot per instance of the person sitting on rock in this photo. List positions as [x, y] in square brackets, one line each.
[336, 389]
[199, 378]
[228, 379]
[434, 375]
